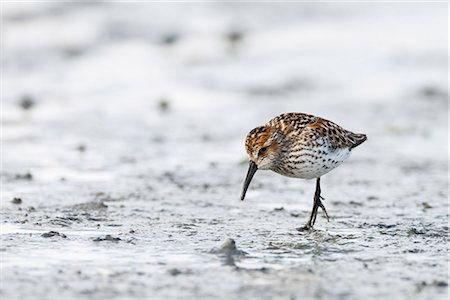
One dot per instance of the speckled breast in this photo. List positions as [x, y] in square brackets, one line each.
[312, 163]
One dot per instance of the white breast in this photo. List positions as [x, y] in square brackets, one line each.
[317, 162]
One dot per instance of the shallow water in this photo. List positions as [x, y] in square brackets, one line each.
[133, 151]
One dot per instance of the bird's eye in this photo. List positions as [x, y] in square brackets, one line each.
[262, 151]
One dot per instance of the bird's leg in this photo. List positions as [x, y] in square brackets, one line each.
[317, 203]
[318, 199]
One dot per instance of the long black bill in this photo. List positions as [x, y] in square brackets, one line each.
[252, 168]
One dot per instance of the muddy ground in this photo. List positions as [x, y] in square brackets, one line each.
[122, 151]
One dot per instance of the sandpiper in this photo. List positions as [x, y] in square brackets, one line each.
[299, 145]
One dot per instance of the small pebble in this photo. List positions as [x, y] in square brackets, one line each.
[163, 104]
[81, 148]
[228, 248]
[16, 200]
[170, 38]
[234, 36]
[27, 102]
[174, 272]
[425, 205]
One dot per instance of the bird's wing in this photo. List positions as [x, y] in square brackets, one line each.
[336, 136]
[310, 127]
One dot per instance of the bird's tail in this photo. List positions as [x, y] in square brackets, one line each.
[358, 139]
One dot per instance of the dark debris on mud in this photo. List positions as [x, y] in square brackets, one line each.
[89, 206]
[16, 200]
[53, 234]
[107, 238]
[24, 176]
[27, 102]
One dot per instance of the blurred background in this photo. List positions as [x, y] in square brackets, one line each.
[128, 120]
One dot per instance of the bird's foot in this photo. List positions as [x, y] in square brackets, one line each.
[308, 227]
[323, 208]
[325, 211]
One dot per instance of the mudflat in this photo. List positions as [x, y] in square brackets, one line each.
[122, 151]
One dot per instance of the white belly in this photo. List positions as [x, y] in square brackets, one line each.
[313, 164]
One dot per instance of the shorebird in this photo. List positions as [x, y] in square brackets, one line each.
[299, 145]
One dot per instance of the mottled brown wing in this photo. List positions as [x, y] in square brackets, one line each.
[311, 127]
[337, 136]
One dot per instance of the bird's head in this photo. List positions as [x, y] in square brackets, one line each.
[262, 145]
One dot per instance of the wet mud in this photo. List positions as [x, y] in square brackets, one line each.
[123, 159]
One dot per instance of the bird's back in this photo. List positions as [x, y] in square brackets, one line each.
[311, 127]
